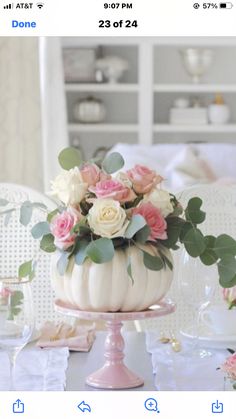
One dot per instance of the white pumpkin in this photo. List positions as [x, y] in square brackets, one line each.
[108, 287]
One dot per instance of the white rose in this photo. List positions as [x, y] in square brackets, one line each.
[123, 178]
[69, 187]
[107, 218]
[161, 199]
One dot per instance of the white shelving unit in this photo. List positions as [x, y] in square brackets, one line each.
[138, 106]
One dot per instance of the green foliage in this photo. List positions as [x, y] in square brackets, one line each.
[27, 269]
[227, 271]
[40, 229]
[209, 257]
[101, 250]
[193, 212]
[112, 163]
[15, 304]
[69, 158]
[194, 242]
[154, 263]
[47, 243]
[62, 263]
[174, 227]
[225, 245]
[129, 269]
[137, 222]
[80, 251]
[143, 234]
[52, 214]
[26, 211]
[3, 202]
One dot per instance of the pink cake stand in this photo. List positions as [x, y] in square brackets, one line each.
[114, 374]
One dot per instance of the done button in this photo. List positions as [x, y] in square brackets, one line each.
[19, 24]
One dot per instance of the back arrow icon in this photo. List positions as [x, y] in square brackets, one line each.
[83, 407]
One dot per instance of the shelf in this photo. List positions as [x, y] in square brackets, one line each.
[195, 88]
[229, 128]
[101, 87]
[102, 128]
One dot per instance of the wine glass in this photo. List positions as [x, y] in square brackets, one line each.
[16, 318]
[197, 284]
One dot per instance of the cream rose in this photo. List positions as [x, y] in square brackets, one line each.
[69, 187]
[160, 199]
[107, 218]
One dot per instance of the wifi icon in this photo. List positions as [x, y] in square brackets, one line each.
[40, 5]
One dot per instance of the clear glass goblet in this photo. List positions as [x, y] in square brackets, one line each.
[16, 318]
[197, 284]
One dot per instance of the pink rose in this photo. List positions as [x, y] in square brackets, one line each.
[229, 366]
[5, 292]
[90, 173]
[61, 226]
[113, 189]
[154, 220]
[229, 295]
[143, 179]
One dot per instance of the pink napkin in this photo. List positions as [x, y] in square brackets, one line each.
[76, 338]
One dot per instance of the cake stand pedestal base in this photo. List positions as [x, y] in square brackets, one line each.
[114, 374]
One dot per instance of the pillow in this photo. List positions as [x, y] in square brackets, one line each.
[187, 169]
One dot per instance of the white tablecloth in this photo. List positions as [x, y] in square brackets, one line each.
[36, 369]
[176, 371]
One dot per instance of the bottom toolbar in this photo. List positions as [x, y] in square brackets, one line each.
[105, 404]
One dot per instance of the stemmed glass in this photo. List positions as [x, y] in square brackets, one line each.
[197, 284]
[16, 318]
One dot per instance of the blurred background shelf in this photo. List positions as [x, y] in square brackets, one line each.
[168, 128]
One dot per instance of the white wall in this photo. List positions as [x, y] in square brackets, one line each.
[20, 119]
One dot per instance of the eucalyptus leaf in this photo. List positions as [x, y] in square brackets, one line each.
[227, 269]
[7, 218]
[101, 250]
[113, 162]
[225, 245]
[80, 251]
[186, 227]
[3, 202]
[194, 242]
[40, 229]
[26, 211]
[39, 205]
[52, 214]
[174, 227]
[136, 223]
[129, 269]
[209, 257]
[47, 243]
[25, 269]
[154, 263]
[193, 212]
[62, 263]
[227, 284]
[143, 234]
[69, 158]
[166, 260]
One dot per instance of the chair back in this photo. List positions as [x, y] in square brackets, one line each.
[17, 246]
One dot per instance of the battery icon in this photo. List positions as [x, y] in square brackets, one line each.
[227, 5]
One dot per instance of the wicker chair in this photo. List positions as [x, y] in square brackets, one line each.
[17, 245]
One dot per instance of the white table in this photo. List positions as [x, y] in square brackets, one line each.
[137, 359]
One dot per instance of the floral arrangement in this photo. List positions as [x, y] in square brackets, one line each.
[229, 295]
[101, 209]
[229, 367]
